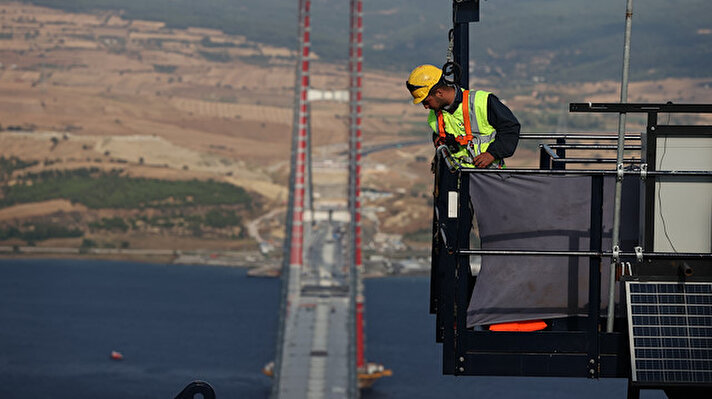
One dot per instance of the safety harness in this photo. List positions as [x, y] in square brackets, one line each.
[471, 143]
[467, 138]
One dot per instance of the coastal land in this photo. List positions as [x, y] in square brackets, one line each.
[128, 138]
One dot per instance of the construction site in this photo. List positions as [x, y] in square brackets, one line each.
[587, 254]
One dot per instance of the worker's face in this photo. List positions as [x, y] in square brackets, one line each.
[434, 101]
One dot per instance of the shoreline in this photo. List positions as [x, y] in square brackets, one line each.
[254, 262]
[245, 259]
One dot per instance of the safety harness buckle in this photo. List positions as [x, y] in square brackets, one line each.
[444, 152]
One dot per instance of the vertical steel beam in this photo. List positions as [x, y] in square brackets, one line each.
[649, 201]
[447, 266]
[461, 52]
[463, 275]
[561, 153]
[463, 12]
[594, 276]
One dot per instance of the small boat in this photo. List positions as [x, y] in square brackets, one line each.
[268, 369]
[371, 373]
[116, 355]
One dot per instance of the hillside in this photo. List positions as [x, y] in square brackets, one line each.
[98, 105]
[555, 40]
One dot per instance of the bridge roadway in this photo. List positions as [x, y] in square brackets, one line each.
[315, 358]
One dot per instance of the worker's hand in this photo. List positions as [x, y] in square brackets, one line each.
[483, 160]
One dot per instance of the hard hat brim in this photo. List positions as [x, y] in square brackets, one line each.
[420, 95]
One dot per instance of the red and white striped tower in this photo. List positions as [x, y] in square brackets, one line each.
[296, 250]
[294, 243]
[356, 61]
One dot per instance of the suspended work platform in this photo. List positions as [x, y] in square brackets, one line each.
[544, 244]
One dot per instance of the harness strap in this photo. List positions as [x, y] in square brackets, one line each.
[441, 124]
[462, 140]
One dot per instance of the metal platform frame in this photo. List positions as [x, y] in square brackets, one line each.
[584, 349]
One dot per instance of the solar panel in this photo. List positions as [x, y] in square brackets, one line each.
[670, 329]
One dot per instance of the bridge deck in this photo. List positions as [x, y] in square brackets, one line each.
[315, 362]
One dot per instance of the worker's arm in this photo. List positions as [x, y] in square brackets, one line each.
[506, 125]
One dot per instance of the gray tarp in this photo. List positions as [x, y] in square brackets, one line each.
[538, 213]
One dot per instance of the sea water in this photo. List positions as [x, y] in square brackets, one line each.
[61, 319]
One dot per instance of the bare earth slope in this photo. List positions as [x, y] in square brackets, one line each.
[97, 90]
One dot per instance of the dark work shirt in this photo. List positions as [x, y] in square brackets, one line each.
[503, 121]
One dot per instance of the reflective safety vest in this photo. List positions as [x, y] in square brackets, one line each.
[477, 136]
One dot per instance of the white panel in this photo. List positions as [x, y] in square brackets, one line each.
[683, 209]
[683, 153]
[452, 204]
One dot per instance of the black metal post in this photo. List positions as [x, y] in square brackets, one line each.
[461, 52]
[447, 261]
[594, 277]
[561, 153]
[463, 12]
[463, 275]
[438, 249]
[651, 156]
[434, 250]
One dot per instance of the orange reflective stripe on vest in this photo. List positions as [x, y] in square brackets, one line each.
[527, 325]
[462, 140]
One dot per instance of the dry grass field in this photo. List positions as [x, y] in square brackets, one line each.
[96, 90]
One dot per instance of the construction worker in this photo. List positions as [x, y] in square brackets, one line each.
[477, 128]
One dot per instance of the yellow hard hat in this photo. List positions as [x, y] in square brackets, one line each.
[421, 80]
